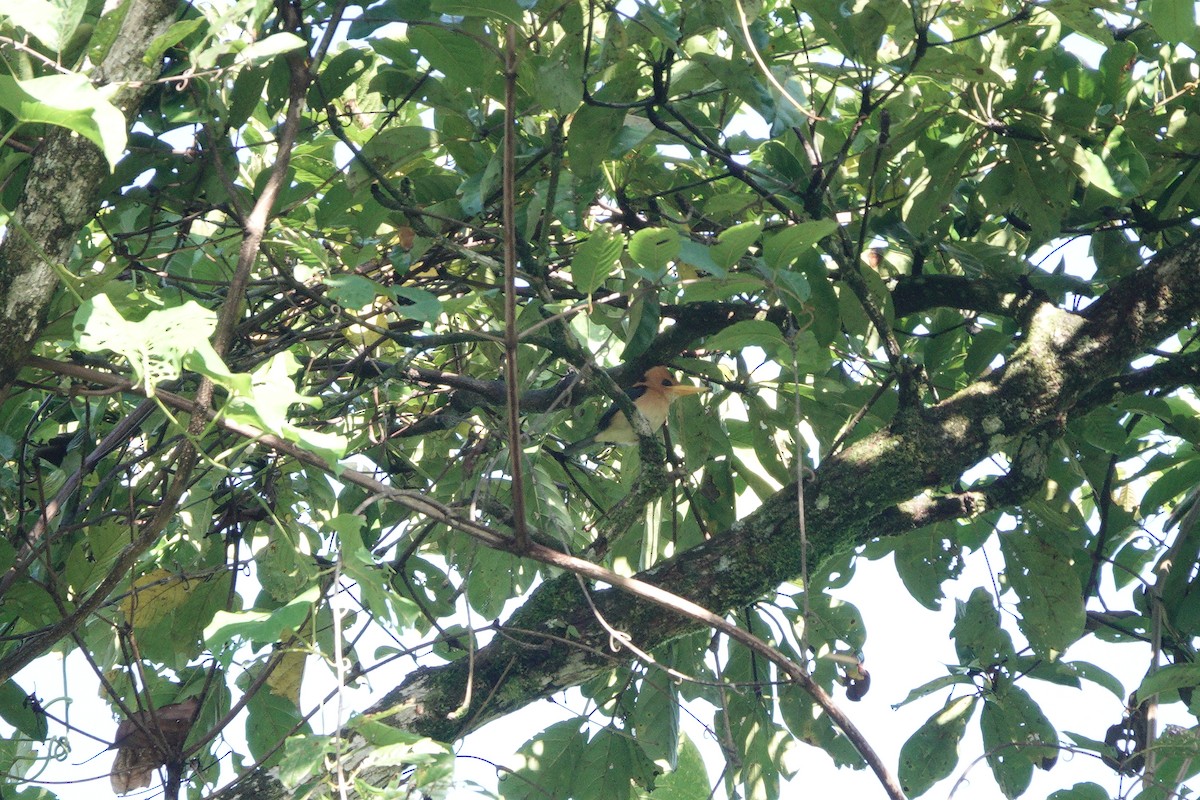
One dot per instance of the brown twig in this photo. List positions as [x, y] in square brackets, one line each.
[511, 339]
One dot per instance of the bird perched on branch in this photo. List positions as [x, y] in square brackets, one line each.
[652, 396]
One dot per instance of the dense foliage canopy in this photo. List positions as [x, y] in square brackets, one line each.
[300, 302]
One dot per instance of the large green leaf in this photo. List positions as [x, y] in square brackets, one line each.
[688, 780]
[782, 249]
[546, 764]
[159, 345]
[978, 637]
[17, 710]
[1174, 19]
[654, 248]
[1049, 592]
[455, 53]
[69, 101]
[260, 626]
[656, 718]
[931, 753]
[750, 333]
[53, 22]
[1017, 736]
[507, 10]
[270, 720]
[267, 403]
[595, 259]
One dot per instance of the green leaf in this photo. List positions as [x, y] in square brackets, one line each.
[1098, 172]
[931, 753]
[1016, 737]
[656, 718]
[422, 306]
[558, 82]
[1126, 161]
[246, 95]
[384, 604]
[978, 637]
[394, 148]
[394, 747]
[259, 626]
[590, 139]
[1041, 183]
[687, 781]
[608, 767]
[303, 757]
[283, 569]
[269, 720]
[702, 290]
[69, 101]
[826, 322]
[924, 561]
[595, 259]
[654, 248]
[935, 685]
[781, 250]
[491, 581]
[699, 257]
[1102, 428]
[925, 202]
[274, 45]
[16, 710]
[158, 346]
[33, 793]
[1175, 20]
[455, 54]
[1099, 676]
[507, 10]
[733, 242]
[1049, 592]
[338, 74]
[1081, 791]
[1169, 485]
[547, 765]
[267, 401]
[748, 333]
[731, 73]
[549, 508]
[91, 559]
[170, 616]
[352, 291]
[1169, 678]
[172, 36]
[52, 22]
[388, 11]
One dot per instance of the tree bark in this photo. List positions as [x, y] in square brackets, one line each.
[63, 189]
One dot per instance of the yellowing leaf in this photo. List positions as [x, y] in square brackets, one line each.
[286, 678]
[154, 596]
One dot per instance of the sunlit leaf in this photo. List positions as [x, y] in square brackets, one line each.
[69, 101]
[654, 248]
[595, 259]
[259, 626]
[274, 45]
[52, 21]
[931, 753]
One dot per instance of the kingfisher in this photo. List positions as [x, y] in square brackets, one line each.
[652, 396]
